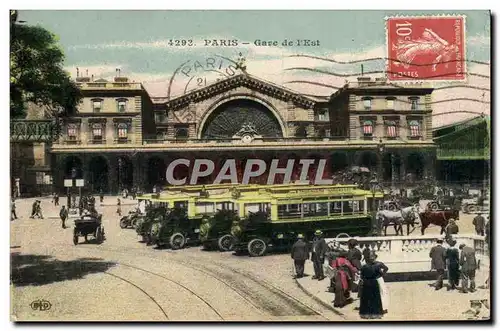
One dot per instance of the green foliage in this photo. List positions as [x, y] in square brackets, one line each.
[36, 72]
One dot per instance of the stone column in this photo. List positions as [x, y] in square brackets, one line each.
[139, 168]
[393, 171]
[402, 167]
[113, 175]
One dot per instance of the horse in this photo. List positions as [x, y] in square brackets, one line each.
[439, 218]
[406, 215]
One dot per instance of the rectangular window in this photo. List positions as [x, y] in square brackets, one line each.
[414, 103]
[321, 116]
[390, 103]
[122, 106]
[122, 131]
[335, 207]
[347, 207]
[97, 131]
[180, 204]
[289, 211]
[97, 106]
[367, 104]
[204, 208]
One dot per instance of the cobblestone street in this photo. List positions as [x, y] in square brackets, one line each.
[123, 279]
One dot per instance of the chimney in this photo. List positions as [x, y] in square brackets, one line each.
[121, 79]
[82, 79]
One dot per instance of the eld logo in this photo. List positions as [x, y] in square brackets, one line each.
[41, 305]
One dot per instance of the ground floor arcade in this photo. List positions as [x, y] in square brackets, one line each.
[113, 171]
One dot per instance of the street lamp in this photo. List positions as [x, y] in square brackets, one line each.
[374, 186]
[380, 154]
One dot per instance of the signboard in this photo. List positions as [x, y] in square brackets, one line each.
[68, 183]
[79, 182]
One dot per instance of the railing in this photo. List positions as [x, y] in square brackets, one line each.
[414, 248]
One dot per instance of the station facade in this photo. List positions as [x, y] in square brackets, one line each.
[123, 138]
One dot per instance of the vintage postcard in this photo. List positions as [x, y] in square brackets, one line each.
[277, 166]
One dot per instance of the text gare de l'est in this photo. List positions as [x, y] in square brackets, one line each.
[262, 43]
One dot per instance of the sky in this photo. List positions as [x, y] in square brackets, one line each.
[137, 42]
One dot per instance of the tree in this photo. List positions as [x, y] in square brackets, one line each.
[36, 72]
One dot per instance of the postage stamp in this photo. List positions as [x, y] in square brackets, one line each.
[426, 48]
[159, 170]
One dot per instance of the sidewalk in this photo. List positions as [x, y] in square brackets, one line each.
[408, 301]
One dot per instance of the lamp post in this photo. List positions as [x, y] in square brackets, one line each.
[120, 164]
[380, 155]
[374, 186]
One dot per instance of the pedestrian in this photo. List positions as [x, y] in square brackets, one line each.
[438, 262]
[39, 209]
[453, 264]
[101, 196]
[354, 254]
[450, 229]
[34, 209]
[371, 298]
[343, 279]
[319, 249]
[384, 294]
[300, 253]
[13, 215]
[478, 223]
[468, 264]
[487, 234]
[63, 214]
[56, 199]
[119, 207]
[134, 193]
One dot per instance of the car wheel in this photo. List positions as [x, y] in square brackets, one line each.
[123, 223]
[471, 209]
[257, 247]
[177, 241]
[226, 243]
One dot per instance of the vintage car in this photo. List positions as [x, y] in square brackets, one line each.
[215, 232]
[144, 224]
[271, 220]
[175, 230]
[130, 220]
[89, 224]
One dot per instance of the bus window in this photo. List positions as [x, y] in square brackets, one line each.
[251, 208]
[347, 207]
[315, 209]
[355, 206]
[335, 207]
[204, 207]
[224, 206]
[361, 204]
[289, 211]
[180, 204]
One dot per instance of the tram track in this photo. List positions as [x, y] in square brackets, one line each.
[275, 302]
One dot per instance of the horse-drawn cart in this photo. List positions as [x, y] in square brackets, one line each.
[89, 225]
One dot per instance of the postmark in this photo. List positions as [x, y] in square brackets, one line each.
[426, 48]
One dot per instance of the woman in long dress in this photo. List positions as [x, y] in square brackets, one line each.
[371, 299]
[343, 279]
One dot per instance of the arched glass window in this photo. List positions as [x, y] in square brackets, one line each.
[122, 131]
[415, 128]
[72, 131]
[367, 128]
[97, 131]
[391, 129]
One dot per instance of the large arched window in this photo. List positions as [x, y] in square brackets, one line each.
[391, 129]
[415, 131]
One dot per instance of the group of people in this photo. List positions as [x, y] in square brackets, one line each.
[348, 274]
[459, 263]
[36, 209]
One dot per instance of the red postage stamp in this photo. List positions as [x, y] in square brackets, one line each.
[426, 48]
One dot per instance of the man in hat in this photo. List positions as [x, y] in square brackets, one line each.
[438, 262]
[478, 223]
[300, 253]
[354, 254]
[319, 248]
[469, 266]
[452, 257]
[451, 228]
[63, 214]
[13, 215]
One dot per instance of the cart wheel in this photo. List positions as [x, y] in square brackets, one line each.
[226, 243]
[257, 247]
[177, 241]
[123, 223]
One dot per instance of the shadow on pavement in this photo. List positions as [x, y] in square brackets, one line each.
[411, 276]
[37, 270]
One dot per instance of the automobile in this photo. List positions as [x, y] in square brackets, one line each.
[89, 224]
[175, 230]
